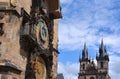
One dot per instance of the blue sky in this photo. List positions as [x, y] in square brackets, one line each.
[88, 21]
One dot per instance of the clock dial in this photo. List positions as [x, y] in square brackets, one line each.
[39, 68]
[42, 34]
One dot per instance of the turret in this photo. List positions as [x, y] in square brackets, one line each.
[84, 60]
[84, 52]
[102, 59]
[102, 50]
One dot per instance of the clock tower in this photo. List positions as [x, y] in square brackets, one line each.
[29, 39]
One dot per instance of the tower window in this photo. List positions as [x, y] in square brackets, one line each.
[91, 77]
[101, 64]
[83, 66]
[1, 29]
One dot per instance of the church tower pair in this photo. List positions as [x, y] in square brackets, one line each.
[88, 69]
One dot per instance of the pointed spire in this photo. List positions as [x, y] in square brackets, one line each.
[79, 57]
[102, 49]
[102, 44]
[85, 52]
[85, 45]
[85, 48]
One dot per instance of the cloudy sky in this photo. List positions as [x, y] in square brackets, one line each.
[88, 21]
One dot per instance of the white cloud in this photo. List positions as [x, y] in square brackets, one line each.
[65, 1]
[114, 67]
[69, 70]
[90, 21]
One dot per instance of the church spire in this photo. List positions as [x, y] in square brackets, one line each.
[85, 52]
[102, 49]
[102, 45]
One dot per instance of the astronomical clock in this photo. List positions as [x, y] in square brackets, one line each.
[41, 44]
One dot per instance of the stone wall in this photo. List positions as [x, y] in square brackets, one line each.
[10, 46]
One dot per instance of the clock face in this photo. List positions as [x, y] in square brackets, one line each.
[39, 68]
[42, 34]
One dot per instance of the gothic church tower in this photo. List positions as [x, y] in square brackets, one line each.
[88, 69]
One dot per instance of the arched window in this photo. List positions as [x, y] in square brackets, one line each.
[1, 29]
[92, 78]
[83, 66]
[101, 64]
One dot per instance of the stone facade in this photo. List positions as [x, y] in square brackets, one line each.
[88, 69]
[29, 39]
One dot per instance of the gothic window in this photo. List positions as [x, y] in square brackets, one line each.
[2, 15]
[92, 78]
[102, 77]
[1, 29]
[101, 64]
[83, 66]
